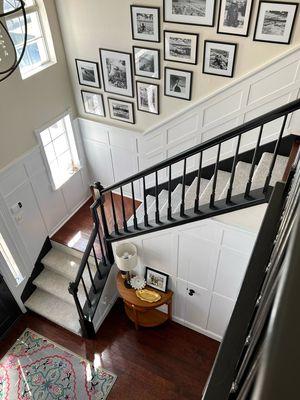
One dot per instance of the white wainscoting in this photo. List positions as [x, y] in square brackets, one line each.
[114, 153]
[43, 209]
[208, 257]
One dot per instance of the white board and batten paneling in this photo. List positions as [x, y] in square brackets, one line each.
[207, 257]
[114, 153]
[43, 210]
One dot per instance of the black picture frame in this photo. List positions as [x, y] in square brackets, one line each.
[157, 9]
[190, 23]
[84, 107]
[234, 34]
[130, 74]
[97, 70]
[166, 276]
[110, 99]
[196, 47]
[190, 73]
[159, 61]
[258, 16]
[137, 97]
[234, 58]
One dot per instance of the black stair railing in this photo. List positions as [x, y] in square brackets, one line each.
[110, 223]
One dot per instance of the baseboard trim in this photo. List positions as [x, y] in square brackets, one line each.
[197, 328]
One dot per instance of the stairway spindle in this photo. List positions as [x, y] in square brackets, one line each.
[157, 220]
[86, 292]
[104, 261]
[146, 220]
[196, 206]
[249, 183]
[114, 213]
[97, 263]
[123, 211]
[182, 205]
[213, 193]
[268, 179]
[229, 192]
[169, 212]
[135, 224]
[91, 277]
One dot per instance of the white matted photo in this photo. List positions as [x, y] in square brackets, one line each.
[181, 47]
[147, 97]
[93, 103]
[156, 279]
[146, 62]
[234, 17]
[275, 22]
[193, 12]
[145, 23]
[117, 72]
[219, 58]
[121, 110]
[88, 73]
[178, 83]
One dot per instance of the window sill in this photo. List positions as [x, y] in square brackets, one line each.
[37, 70]
[60, 186]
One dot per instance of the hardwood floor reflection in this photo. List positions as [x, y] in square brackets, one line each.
[170, 362]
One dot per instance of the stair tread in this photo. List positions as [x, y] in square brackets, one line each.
[175, 200]
[57, 285]
[262, 170]
[140, 210]
[54, 309]
[191, 193]
[241, 177]
[162, 199]
[222, 180]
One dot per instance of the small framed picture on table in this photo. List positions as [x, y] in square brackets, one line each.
[156, 279]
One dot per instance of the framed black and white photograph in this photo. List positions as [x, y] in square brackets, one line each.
[117, 72]
[93, 103]
[219, 58]
[156, 279]
[88, 73]
[234, 17]
[121, 110]
[147, 97]
[181, 47]
[145, 23]
[178, 83]
[191, 12]
[146, 62]
[275, 22]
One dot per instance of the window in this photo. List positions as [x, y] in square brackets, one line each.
[37, 54]
[60, 151]
[9, 260]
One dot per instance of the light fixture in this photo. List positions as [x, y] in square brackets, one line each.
[126, 260]
[9, 59]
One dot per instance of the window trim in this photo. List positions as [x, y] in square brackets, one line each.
[76, 156]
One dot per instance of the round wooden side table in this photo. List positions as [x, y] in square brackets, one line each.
[141, 312]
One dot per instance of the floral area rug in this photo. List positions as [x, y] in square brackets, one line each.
[36, 368]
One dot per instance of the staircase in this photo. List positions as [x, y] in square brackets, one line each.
[222, 186]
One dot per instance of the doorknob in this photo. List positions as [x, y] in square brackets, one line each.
[191, 292]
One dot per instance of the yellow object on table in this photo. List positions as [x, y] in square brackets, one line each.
[148, 295]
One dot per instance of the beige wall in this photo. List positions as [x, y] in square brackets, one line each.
[26, 105]
[88, 25]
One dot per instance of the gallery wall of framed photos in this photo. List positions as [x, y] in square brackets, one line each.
[166, 53]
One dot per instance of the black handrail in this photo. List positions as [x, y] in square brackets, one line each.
[230, 134]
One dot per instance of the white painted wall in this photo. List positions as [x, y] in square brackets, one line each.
[43, 209]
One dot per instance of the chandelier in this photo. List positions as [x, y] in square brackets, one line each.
[9, 58]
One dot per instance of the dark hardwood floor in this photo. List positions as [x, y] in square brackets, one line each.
[169, 362]
[76, 231]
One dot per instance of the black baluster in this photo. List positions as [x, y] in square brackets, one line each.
[123, 211]
[249, 183]
[157, 220]
[86, 293]
[103, 217]
[146, 220]
[268, 179]
[97, 264]
[170, 194]
[229, 192]
[135, 224]
[102, 249]
[91, 277]
[182, 205]
[196, 206]
[97, 223]
[73, 290]
[213, 193]
[114, 214]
